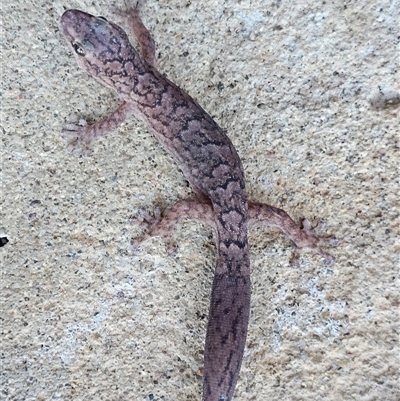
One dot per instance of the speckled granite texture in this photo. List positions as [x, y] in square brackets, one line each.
[308, 92]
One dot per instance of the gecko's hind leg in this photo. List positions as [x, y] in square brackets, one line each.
[132, 16]
[163, 224]
[262, 215]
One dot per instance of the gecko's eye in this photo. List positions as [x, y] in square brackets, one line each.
[105, 19]
[78, 49]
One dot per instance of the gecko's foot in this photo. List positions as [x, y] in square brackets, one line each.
[78, 138]
[313, 241]
[146, 219]
[130, 7]
[319, 229]
[131, 16]
[152, 224]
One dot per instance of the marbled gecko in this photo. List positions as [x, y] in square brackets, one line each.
[210, 163]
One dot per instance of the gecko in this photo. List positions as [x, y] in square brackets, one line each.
[209, 162]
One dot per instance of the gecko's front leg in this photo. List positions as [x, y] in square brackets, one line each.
[80, 136]
[132, 16]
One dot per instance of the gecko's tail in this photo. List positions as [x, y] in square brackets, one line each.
[229, 307]
[226, 336]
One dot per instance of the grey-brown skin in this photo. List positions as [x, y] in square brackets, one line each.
[209, 161]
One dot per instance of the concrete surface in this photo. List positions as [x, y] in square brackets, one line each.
[308, 92]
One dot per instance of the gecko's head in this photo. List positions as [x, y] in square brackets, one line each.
[101, 48]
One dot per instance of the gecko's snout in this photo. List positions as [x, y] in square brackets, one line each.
[69, 21]
[69, 18]
[73, 20]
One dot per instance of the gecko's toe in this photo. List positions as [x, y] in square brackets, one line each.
[309, 229]
[295, 259]
[329, 260]
[320, 227]
[329, 241]
[78, 138]
[146, 219]
[73, 129]
[316, 242]
[316, 231]
[77, 148]
[69, 136]
[71, 148]
[172, 248]
[131, 8]
[136, 242]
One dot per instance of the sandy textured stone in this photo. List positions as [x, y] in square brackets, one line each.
[308, 92]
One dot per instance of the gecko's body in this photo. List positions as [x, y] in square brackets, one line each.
[209, 161]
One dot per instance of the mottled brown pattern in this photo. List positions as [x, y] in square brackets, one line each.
[208, 159]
